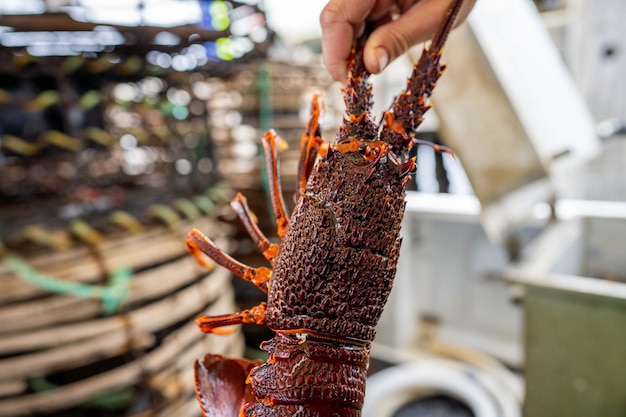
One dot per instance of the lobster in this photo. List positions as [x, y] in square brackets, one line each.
[334, 269]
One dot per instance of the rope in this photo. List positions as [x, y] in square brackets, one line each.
[112, 296]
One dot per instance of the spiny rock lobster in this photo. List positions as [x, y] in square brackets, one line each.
[334, 270]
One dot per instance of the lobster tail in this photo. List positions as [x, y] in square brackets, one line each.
[308, 378]
[407, 111]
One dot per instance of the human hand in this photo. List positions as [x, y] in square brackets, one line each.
[344, 20]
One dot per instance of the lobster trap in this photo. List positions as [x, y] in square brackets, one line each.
[106, 160]
[108, 330]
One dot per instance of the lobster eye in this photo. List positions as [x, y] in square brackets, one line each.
[364, 149]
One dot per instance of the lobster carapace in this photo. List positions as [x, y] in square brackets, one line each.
[334, 269]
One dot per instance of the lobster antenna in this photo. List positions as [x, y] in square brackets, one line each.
[358, 94]
[441, 34]
[358, 97]
[405, 115]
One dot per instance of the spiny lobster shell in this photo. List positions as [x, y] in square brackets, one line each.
[333, 272]
[339, 257]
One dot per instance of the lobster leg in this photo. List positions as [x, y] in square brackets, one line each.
[436, 148]
[240, 205]
[211, 324]
[309, 146]
[270, 140]
[198, 244]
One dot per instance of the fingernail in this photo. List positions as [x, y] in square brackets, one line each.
[383, 58]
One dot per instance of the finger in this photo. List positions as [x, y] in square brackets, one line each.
[415, 25]
[341, 21]
[466, 8]
[381, 9]
[391, 40]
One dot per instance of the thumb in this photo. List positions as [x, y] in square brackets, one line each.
[395, 37]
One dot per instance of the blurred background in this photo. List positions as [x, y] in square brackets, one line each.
[123, 124]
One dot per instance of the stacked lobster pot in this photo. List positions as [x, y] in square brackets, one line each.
[274, 95]
[105, 166]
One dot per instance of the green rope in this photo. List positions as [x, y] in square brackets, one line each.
[112, 295]
[112, 400]
[109, 400]
[265, 98]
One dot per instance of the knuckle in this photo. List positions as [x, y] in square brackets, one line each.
[397, 41]
[331, 14]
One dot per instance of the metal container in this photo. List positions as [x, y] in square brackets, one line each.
[575, 315]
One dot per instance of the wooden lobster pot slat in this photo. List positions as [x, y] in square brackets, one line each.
[129, 374]
[148, 345]
[65, 308]
[80, 265]
[134, 328]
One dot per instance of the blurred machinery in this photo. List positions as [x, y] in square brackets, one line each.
[526, 270]
[592, 40]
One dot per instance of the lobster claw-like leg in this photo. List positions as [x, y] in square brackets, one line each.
[309, 145]
[220, 385]
[240, 205]
[198, 244]
[270, 146]
[212, 324]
